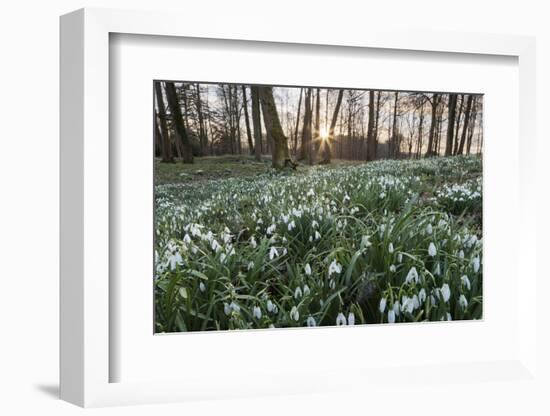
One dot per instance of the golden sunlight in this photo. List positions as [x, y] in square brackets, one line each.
[323, 133]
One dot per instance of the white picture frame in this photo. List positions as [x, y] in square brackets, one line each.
[86, 356]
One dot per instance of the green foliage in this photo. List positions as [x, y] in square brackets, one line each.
[387, 241]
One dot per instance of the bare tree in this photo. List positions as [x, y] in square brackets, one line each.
[330, 138]
[181, 133]
[166, 147]
[280, 155]
[371, 138]
[247, 122]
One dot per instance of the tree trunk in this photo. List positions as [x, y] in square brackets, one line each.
[472, 126]
[247, 122]
[315, 145]
[306, 130]
[202, 130]
[421, 130]
[465, 126]
[280, 154]
[181, 133]
[371, 139]
[298, 122]
[457, 128]
[393, 149]
[327, 153]
[451, 125]
[256, 123]
[166, 146]
[431, 144]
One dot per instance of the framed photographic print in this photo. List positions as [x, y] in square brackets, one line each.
[289, 213]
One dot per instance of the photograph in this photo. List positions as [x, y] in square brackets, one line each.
[311, 206]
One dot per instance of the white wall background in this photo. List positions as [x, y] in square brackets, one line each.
[29, 186]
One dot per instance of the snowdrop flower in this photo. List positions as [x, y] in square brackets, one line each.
[273, 253]
[396, 308]
[351, 318]
[340, 319]
[294, 314]
[270, 306]
[334, 267]
[291, 225]
[463, 302]
[271, 229]
[257, 312]
[446, 292]
[346, 198]
[332, 284]
[310, 192]
[429, 229]
[317, 235]
[227, 308]
[407, 304]
[306, 290]
[392, 268]
[253, 242]
[202, 287]
[476, 263]
[415, 302]
[298, 293]
[310, 238]
[222, 257]
[186, 239]
[215, 246]
[175, 259]
[449, 318]
[311, 321]
[422, 295]
[412, 276]
[465, 282]
[432, 250]
[390, 248]
[437, 271]
[391, 316]
[250, 265]
[314, 224]
[400, 257]
[235, 307]
[382, 306]
[365, 242]
[461, 254]
[307, 269]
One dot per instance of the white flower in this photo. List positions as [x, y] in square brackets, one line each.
[334, 267]
[314, 224]
[215, 246]
[270, 306]
[332, 284]
[399, 257]
[306, 290]
[412, 276]
[311, 321]
[463, 302]
[461, 254]
[432, 250]
[222, 257]
[437, 271]
[429, 229]
[235, 307]
[253, 242]
[291, 225]
[310, 192]
[317, 235]
[346, 198]
[396, 308]
[250, 265]
[391, 316]
[407, 304]
[298, 293]
[446, 292]
[257, 312]
[202, 287]
[340, 319]
[351, 318]
[175, 259]
[392, 268]
[465, 282]
[294, 314]
[226, 308]
[476, 263]
[449, 318]
[422, 295]
[390, 248]
[415, 302]
[273, 253]
[365, 241]
[307, 269]
[382, 306]
[270, 229]
[186, 239]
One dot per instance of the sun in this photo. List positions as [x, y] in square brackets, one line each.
[323, 133]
